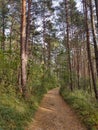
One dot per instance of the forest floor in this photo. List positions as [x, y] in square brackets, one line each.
[55, 114]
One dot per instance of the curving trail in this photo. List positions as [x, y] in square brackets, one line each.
[55, 114]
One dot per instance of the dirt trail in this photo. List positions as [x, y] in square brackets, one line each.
[55, 114]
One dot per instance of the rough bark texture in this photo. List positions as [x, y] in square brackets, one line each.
[23, 52]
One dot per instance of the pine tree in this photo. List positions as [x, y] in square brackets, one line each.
[23, 50]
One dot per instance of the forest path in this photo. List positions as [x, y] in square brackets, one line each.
[55, 114]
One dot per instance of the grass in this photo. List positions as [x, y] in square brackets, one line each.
[84, 105]
[15, 113]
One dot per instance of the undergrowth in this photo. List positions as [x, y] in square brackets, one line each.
[85, 106]
[16, 112]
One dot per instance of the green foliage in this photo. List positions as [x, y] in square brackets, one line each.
[49, 81]
[85, 106]
[84, 83]
[15, 112]
[8, 71]
[42, 79]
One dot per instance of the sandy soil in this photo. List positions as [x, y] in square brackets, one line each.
[55, 114]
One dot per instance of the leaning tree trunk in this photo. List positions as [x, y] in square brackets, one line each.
[89, 51]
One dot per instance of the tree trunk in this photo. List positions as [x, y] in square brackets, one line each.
[44, 30]
[10, 46]
[49, 54]
[78, 68]
[3, 32]
[96, 4]
[28, 26]
[89, 52]
[94, 36]
[23, 50]
[67, 44]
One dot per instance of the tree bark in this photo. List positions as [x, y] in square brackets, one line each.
[89, 51]
[23, 50]
[3, 32]
[44, 30]
[28, 26]
[96, 4]
[94, 36]
[67, 44]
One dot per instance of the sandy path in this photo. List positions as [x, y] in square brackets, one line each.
[55, 114]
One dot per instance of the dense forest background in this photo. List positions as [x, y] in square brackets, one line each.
[46, 44]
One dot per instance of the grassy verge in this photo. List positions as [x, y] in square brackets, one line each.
[15, 112]
[85, 105]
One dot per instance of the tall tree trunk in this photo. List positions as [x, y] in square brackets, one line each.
[27, 44]
[44, 30]
[10, 46]
[3, 32]
[89, 51]
[90, 80]
[78, 68]
[49, 53]
[44, 39]
[28, 26]
[23, 50]
[94, 36]
[96, 4]
[67, 44]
